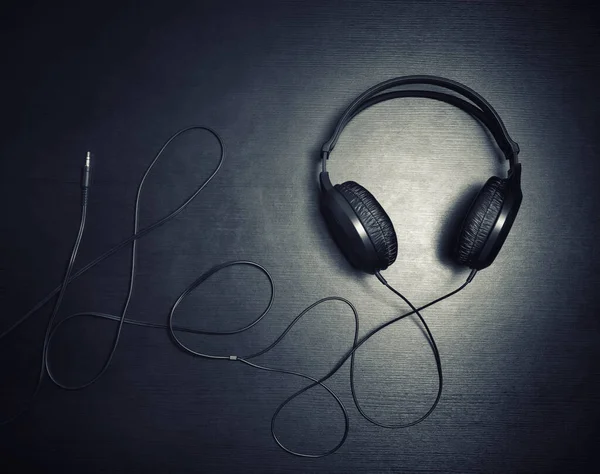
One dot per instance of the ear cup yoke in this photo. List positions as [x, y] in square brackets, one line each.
[374, 219]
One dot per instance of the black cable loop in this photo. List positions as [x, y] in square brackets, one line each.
[173, 328]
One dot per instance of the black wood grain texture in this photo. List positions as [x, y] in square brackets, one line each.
[519, 347]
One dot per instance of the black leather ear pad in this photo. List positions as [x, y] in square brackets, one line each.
[374, 219]
[480, 220]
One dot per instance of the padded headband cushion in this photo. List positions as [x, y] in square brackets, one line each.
[480, 220]
[374, 219]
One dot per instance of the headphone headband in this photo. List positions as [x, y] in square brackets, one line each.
[482, 110]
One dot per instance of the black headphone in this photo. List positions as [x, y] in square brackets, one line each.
[364, 231]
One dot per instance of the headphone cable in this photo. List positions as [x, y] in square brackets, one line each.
[85, 184]
[351, 354]
[172, 328]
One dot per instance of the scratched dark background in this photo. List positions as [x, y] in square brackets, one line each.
[519, 346]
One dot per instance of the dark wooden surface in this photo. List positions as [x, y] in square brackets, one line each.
[519, 347]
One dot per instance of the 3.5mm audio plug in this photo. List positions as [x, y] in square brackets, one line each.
[86, 173]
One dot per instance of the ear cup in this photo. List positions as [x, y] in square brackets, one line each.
[374, 219]
[480, 220]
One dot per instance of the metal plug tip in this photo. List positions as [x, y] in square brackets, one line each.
[88, 158]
